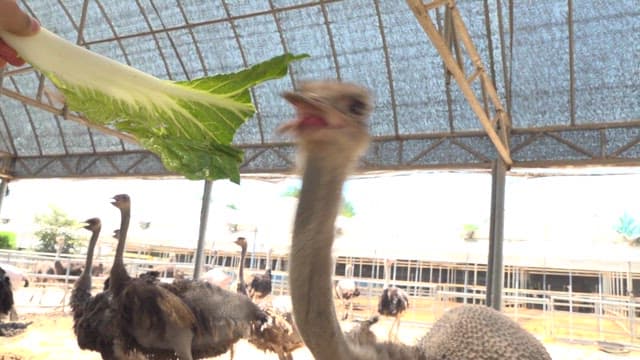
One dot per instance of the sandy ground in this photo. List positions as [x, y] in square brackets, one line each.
[50, 336]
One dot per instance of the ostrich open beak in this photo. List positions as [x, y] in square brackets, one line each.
[310, 110]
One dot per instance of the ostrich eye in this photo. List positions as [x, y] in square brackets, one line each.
[357, 107]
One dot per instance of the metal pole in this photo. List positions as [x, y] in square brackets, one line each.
[495, 266]
[204, 217]
[3, 190]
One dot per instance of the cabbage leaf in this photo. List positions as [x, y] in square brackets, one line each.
[189, 124]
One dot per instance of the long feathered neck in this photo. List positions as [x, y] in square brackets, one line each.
[119, 277]
[387, 275]
[81, 293]
[310, 259]
[84, 280]
[242, 287]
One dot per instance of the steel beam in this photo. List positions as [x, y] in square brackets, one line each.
[204, 218]
[495, 266]
[498, 129]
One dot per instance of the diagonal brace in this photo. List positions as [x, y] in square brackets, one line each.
[500, 136]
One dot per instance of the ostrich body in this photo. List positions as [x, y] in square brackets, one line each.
[186, 319]
[218, 277]
[260, 285]
[74, 269]
[346, 289]
[17, 276]
[331, 130]
[393, 302]
[6, 293]
[278, 334]
[468, 330]
[149, 317]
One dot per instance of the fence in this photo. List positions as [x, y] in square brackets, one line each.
[567, 315]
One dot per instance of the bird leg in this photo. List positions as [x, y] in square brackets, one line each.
[395, 328]
[350, 309]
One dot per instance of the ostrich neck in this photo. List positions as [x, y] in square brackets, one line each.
[243, 254]
[387, 276]
[310, 260]
[118, 275]
[84, 281]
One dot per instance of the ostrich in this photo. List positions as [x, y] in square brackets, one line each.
[241, 287]
[346, 290]
[148, 316]
[260, 285]
[74, 269]
[279, 333]
[192, 319]
[331, 131]
[393, 301]
[6, 294]
[17, 276]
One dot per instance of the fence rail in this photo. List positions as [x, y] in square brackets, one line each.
[576, 316]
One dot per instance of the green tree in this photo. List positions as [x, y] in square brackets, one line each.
[7, 240]
[629, 228]
[54, 227]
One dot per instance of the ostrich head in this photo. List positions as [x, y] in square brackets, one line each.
[121, 201]
[330, 115]
[242, 242]
[92, 224]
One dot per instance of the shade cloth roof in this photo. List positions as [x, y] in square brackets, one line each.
[567, 72]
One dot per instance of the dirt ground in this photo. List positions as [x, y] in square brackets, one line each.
[50, 336]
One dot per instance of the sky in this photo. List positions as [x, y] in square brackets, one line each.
[410, 210]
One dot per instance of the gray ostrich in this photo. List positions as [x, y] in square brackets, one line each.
[331, 132]
[183, 320]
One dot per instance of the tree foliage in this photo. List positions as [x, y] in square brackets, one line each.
[7, 240]
[56, 225]
[629, 229]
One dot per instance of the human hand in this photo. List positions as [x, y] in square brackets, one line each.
[16, 21]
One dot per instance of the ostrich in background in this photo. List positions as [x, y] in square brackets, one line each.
[346, 290]
[6, 293]
[278, 334]
[81, 293]
[186, 319]
[260, 285]
[18, 277]
[393, 301]
[148, 317]
[331, 130]
[241, 287]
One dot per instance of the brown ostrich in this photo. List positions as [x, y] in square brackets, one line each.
[93, 316]
[278, 334]
[185, 320]
[331, 131]
[148, 317]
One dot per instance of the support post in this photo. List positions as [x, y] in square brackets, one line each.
[495, 268]
[3, 190]
[204, 217]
